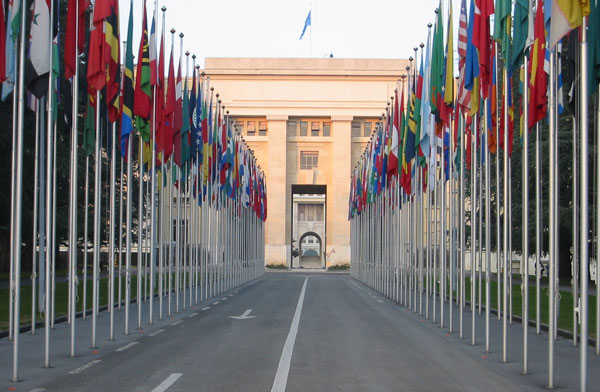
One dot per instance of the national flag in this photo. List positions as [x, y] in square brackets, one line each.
[520, 30]
[507, 100]
[566, 16]
[38, 63]
[160, 99]
[111, 55]
[392, 169]
[13, 25]
[89, 127]
[3, 27]
[472, 65]
[449, 73]
[128, 93]
[464, 95]
[75, 31]
[437, 66]
[177, 117]
[502, 29]
[169, 113]
[185, 128]
[154, 76]
[307, 23]
[141, 102]
[492, 109]
[537, 81]
[481, 39]
[593, 47]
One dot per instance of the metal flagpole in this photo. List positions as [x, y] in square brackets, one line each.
[552, 225]
[36, 190]
[525, 220]
[111, 243]
[49, 216]
[505, 226]
[140, 237]
[53, 278]
[97, 212]
[462, 225]
[574, 262]
[583, 112]
[11, 302]
[85, 237]
[16, 245]
[119, 265]
[597, 231]
[73, 190]
[479, 185]
[170, 237]
[488, 242]
[498, 196]
[128, 231]
[538, 229]
[153, 221]
[474, 133]
[451, 225]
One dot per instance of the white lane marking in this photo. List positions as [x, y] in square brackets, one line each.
[176, 322]
[167, 383]
[206, 308]
[244, 315]
[283, 369]
[192, 315]
[379, 301]
[224, 299]
[38, 390]
[156, 332]
[230, 295]
[216, 303]
[87, 365]
[125, 347]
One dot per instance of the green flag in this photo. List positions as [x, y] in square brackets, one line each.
[437, 64]
[502, 28]
[521, 21]
[89, 128]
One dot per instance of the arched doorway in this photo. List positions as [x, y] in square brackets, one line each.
[310, 247]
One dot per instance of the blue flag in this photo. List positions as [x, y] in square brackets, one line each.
[306, 24]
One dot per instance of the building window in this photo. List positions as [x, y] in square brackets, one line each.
[239, 126]
[318, 212]
[303, 128]
[251, 130]
[310, 213]
[368, 128]
[308, 160]
[326, 129]
[355, 129]
[314, 128]
[262, 128]
[292, 128]
[302, 212]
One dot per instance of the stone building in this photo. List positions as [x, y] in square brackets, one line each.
[308, 121]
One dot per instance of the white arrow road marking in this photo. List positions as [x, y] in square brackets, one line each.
[206, 308]
[125, 347]
[167, 383]
[87, 365]
[244, 315]
[156, 332]
[283, 369]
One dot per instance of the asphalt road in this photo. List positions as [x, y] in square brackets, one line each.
[304, 332]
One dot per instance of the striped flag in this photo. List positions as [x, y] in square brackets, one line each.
[566, 16]
[142, 103]
[127, 93]
[464, 95]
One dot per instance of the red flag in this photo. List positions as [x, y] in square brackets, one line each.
[160, 99]
[142, 105]
[73, 16]
[481, 40]
[169, 113]
[537, 81]
[177, 117]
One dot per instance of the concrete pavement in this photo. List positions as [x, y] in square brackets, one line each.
[348, 338]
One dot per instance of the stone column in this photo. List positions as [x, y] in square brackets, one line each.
[338, 227]
[277, 227]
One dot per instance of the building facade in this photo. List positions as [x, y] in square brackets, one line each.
[308, 121]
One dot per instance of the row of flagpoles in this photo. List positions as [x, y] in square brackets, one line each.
[413, 207]
[201, 195]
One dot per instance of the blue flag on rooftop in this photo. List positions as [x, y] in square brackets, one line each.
[306, 24]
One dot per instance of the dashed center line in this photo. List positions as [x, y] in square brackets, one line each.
[192, 315]
[205, 308]
[156, 332]
[167, 383]
[86, 366]
[177, 322]
[125, 347]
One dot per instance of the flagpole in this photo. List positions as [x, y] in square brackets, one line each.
[488, 224]
[153, 223]
[16, 245]
[128, 230]
[498, 195]
[583, 113]
[97, 212]
[140, 238]
[552, 224]
[85, 238]
[575, 217]
[49, 186]
[462, 226]
[505, 226]
[36, 185]
[538, 228]
[525, 219]
[111, 243]
[120, 259]
[474, 134]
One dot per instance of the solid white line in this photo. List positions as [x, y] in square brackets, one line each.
[167, 383]
[192, 315]
[206, 308]
[283, 369]
[125, 347]
[87, 365]
[176, 322]
[156, 332]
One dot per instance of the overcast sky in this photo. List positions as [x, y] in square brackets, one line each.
[271, 28]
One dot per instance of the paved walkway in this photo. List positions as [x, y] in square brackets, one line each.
[297, 332]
